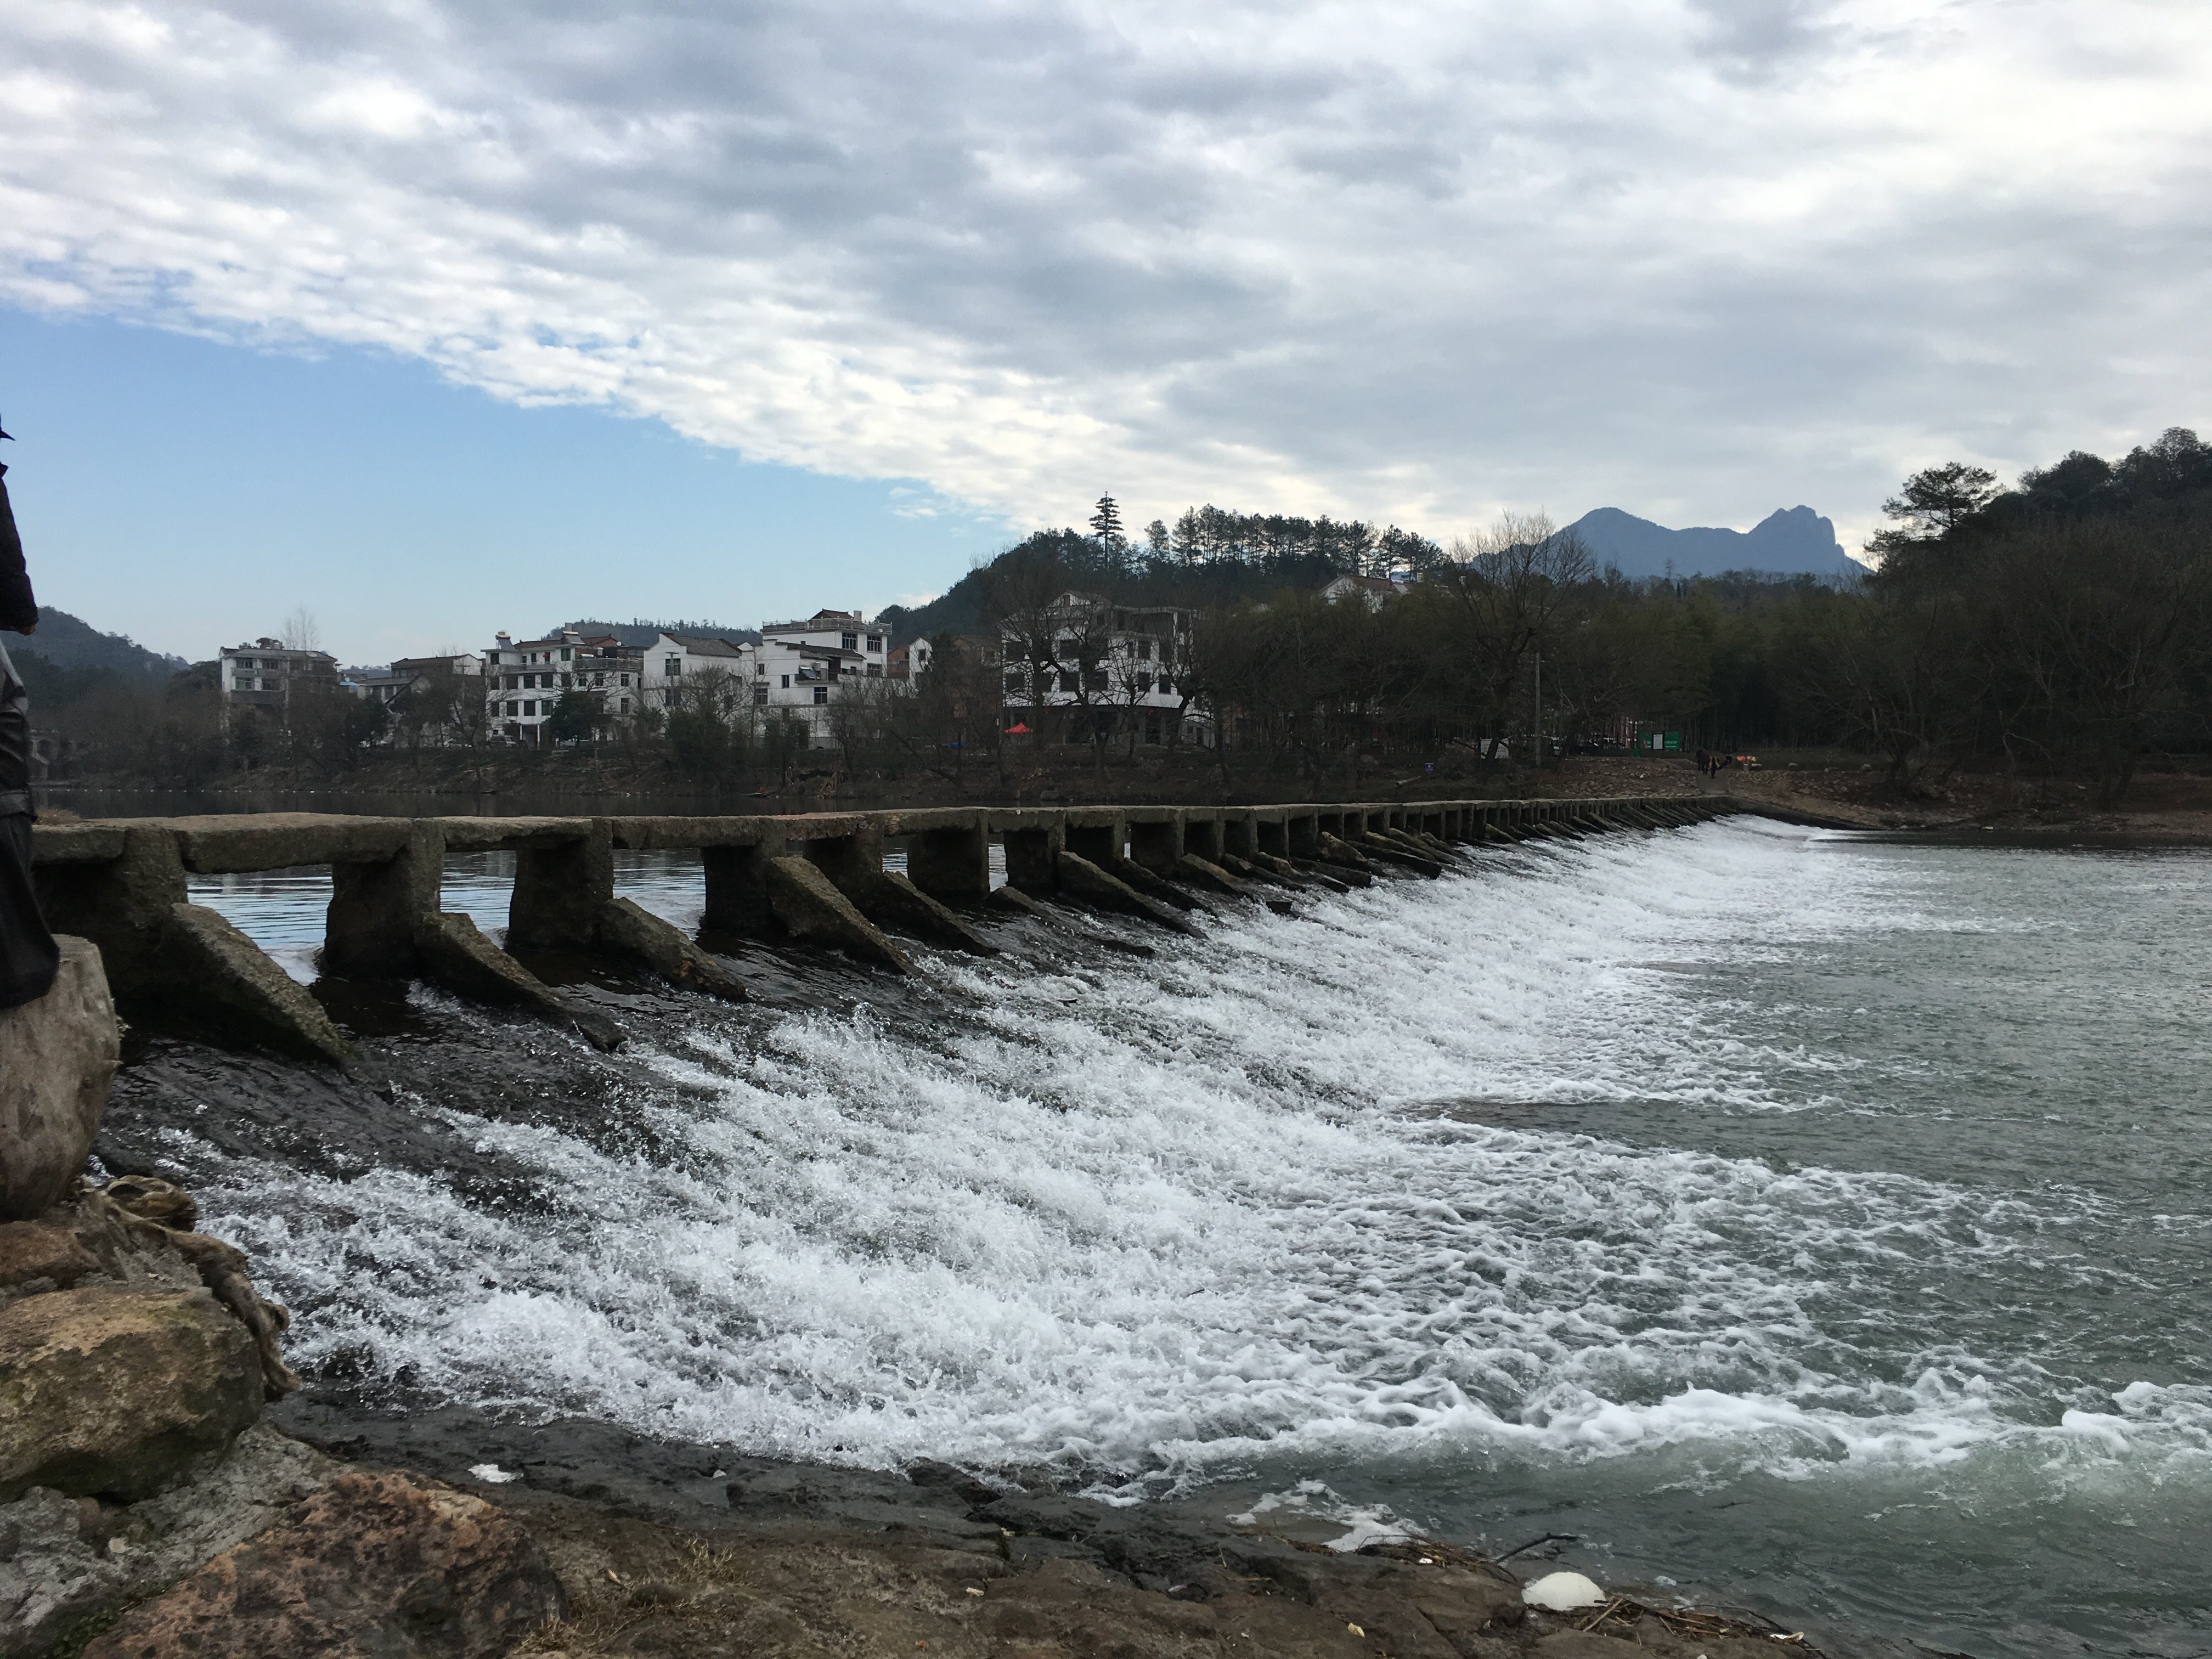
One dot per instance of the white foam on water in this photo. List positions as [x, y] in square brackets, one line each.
[1167, 1218]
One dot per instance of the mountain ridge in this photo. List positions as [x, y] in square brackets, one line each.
[69, 642]
[1793, 541]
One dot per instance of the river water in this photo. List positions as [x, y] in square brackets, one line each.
[1816, 1220]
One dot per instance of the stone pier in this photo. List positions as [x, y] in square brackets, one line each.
[806, 880]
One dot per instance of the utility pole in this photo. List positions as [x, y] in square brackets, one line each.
[1537, 745]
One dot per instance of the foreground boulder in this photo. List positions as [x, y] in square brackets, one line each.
[117, 1390]
[58, 1055]
[65, 1560]
[385, 1564]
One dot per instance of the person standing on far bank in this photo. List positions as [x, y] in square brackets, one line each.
[28, 956]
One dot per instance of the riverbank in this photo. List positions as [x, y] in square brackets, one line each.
[446, 1533]
[2160, 809]
[700, 1550]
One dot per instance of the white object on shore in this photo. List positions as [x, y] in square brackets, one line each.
[1562, 1592]
[495, 1475]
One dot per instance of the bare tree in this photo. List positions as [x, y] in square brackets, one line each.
[1506, 594]
[1056, 644]
[301, 631]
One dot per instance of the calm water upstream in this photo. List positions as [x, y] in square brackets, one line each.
[1818, 1219]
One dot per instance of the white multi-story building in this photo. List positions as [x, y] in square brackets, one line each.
[1120, 665]
[676, 664]
[523, 681]
[803, 667]
[265, 674]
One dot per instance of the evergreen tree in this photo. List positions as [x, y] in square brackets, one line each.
[1106, 524]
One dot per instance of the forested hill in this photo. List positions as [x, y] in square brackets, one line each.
[1795, 542]
[68, 641]
[1210, 558]
[1213, 557]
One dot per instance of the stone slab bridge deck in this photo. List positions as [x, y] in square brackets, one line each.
[816, 878]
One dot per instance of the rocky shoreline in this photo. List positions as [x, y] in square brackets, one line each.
[329, 1530]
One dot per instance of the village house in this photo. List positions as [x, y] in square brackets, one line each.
[1375, 590]
[388, 685]
[676, 663]
[1086, 667]
[802, 666]
[907, 662]
[264, 675]
[524, 681]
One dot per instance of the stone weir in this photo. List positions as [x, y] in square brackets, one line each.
[814, 879]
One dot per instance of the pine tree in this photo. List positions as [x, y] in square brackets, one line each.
[1106, 524]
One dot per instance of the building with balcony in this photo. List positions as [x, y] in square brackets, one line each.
[264, 676]
[524, 680]
[804, 667]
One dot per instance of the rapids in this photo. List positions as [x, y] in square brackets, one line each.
[1812, 1219]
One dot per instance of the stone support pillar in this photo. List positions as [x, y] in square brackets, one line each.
[1156, 846]
[560, 888]
[738, 905]
[1101, 843]
[376, 907]
[953, 864]
[1033, 857]
[121, 904]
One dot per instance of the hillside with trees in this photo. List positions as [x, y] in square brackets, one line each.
[2060, 627]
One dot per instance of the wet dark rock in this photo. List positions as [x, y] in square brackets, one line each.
[1011, 897]
[626, 927]
[388, 1564]
[65, 1560]
[456, 953]
[42, 1255]
[1087, 884]
[809, 905]
[957, 1483]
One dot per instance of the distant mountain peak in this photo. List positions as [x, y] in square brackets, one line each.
[1790, 541]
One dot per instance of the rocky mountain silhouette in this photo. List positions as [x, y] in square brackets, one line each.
[1791, 541]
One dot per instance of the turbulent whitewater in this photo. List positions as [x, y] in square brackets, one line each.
[1819, 1219]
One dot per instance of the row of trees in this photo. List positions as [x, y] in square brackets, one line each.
[2063, 625]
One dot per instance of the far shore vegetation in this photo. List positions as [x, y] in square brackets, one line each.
[2059, 628]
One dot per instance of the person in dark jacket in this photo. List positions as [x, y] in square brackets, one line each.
[28, 956]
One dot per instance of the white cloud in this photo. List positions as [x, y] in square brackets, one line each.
[1411, 261]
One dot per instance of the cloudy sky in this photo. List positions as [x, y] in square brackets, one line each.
[819, 302]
